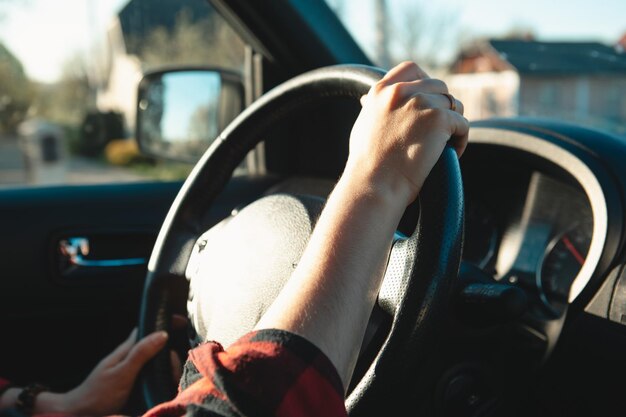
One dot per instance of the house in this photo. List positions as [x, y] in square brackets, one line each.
[582, 82]
[621, 44]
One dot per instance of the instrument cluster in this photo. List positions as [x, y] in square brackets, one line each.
[536, 236]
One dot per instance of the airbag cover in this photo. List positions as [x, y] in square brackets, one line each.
[239, 266]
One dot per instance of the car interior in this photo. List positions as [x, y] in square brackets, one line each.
[505, 292]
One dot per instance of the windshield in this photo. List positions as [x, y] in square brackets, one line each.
[69, 69]
[562, 60]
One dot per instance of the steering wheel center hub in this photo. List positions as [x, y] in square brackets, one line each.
[239, 266]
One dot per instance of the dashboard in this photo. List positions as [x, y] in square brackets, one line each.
[544, 205]
[528, 223]
[537, 211]
[542, 247]
[543, 212]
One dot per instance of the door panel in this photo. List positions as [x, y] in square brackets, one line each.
[75, 314]
[60, 319]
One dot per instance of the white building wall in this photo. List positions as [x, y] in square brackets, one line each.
[120, 91]
[488, 94]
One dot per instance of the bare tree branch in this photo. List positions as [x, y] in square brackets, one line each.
[383, 54]
[422, 35]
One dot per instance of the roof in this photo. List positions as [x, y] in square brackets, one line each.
[621, 44]
[532, 57]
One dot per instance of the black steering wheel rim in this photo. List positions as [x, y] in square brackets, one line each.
[421, 268]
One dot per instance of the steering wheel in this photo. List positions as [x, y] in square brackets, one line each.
[418, 280]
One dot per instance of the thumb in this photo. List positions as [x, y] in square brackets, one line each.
[145, 349]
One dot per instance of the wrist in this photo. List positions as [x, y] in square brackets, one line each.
[52, 402]
[383, 185]
[9, 397]
[45, 401]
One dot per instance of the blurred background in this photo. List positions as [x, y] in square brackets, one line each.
[69, 72]
[69, 69]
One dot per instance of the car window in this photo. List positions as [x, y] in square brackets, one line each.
[69, 71]
[562, 60]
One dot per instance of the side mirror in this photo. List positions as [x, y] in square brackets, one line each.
[180, 112]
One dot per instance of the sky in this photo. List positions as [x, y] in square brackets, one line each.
[591, 20]
[185, 92]
[42, 33]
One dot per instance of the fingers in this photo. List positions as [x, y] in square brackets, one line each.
[429, 85]
[455, 105]
[407, 83]
[459, 132]
[144, 350]
[405, 71]
[439, 101]
[177, 367]
[431, 92]
[179, 322]
[122, 350]
[460, 108]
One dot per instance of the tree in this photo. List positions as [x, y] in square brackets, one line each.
[422, 34]
[413, 31]
[203, 123]
[186, 44]
[16, 91]
[383, 53]
[69, 99]
[520, 31]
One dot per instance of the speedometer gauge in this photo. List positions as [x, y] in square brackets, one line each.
[562, 261]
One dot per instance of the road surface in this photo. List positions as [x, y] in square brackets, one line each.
[14, 169]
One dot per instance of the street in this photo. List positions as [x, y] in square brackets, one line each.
[69, 170]
[12, 169]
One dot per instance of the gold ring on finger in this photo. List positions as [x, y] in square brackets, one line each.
[452, 101]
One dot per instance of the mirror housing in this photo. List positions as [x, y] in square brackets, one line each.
[181, 111]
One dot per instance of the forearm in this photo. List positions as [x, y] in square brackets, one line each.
[331, 293]
[405, 123]
[53, 402]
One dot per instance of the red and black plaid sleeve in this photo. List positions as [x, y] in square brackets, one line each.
[4, 385]
[265, 373]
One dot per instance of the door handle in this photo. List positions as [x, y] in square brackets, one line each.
[76, 248]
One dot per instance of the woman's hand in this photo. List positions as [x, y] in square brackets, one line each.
[405, 123]
[106, 389]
